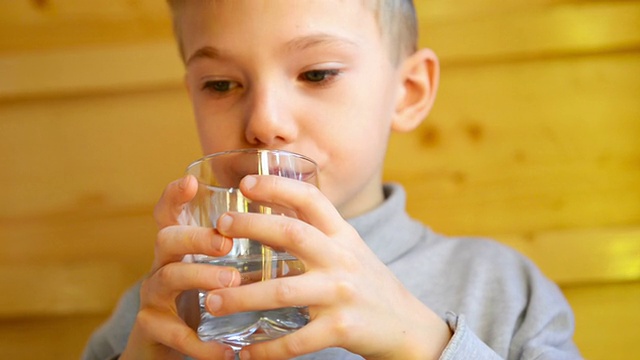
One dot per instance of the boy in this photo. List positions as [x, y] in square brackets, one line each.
[329, 79]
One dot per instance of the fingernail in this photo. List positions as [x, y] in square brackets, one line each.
[244, 355]
[225, 221]
[226, 277]
[214, 303]
[184, 182]
[249, 182]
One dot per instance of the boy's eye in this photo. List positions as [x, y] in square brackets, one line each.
[318, 76]
[219, 86]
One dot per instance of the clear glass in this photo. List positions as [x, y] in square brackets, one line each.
[218, 178]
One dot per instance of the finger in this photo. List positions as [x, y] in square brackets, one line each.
[297, 237]
[309, 289]
[171, 203]
[174, 242]
[279, 268]
[315, 336]
[167, 329]
[305, 199]
[161, 289]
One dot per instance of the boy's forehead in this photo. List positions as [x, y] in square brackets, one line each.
[200, 18]
[208, 9]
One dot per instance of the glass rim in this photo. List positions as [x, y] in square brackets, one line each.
[249, 151]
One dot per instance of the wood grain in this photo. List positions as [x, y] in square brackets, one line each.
[606, 317]
[530, 32]
[80, 71]
[33, 289]
[587, 256]
[46, 337]
[521, 147]
[533, 141]
[86, 153]
[137, 50]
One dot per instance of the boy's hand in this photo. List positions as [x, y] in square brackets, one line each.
[159, 331]
[354, 300]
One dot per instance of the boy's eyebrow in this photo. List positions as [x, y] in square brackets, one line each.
[208, 52]
[307, 41]
[297, 44]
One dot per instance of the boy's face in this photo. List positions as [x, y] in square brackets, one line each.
[309, 76]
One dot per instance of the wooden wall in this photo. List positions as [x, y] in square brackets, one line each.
[534, 140]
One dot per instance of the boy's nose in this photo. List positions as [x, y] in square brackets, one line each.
[269, 122]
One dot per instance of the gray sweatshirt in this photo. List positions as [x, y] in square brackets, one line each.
[497, 302]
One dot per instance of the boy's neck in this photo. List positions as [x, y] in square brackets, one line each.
[368, 199]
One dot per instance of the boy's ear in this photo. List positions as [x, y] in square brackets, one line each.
[419, 76]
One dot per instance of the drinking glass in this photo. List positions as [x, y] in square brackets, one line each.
[218, 177]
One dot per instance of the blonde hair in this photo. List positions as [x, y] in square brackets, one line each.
[396, 20]
[398, 25]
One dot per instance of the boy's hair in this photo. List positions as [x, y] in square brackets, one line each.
[396, 20]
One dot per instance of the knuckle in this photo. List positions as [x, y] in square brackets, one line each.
[165, 274]
[180, 339]
[351, 263]
[178, 237]
[145, 320]
[149, 293]
[190, 238]
[343, 325]
[163, 237]
[293, 345]
[294, 232]
[284, 292]
[345, 291]
[309, 195]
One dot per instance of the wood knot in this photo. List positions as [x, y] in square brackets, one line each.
[520, 157]
[431, 136]
[475, 132]
[458, 177]
[41, 4]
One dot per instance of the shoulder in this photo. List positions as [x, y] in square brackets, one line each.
[475, 251]
[111, 338]
[481, 268]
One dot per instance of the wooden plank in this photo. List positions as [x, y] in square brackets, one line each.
[527, 146]
[57, 11]
[61, 289]
[603, 313]
[606, 320]
[583, 256]
[76, 264]
[446, 10]
[126, 60]
[552, 153]
[126, 239]
[84, 153]
[564, 29]
[96, 69]
[66, 258]
[45, 338]
[56, 24]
